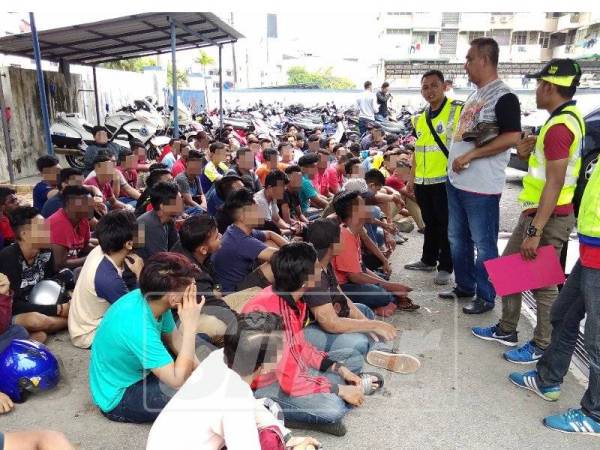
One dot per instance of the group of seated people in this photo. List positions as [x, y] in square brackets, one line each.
[273, 260]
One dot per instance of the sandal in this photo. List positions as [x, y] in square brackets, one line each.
[368, 383]
[406, 304]
[394, 362]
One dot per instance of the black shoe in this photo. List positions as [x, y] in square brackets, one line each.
[335, 428]
[478, 306]
[456, 294]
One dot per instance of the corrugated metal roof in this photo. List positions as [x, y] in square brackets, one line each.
[123, 37]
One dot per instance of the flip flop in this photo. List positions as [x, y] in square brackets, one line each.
[394, 362]
[406, 304]
[367, 382]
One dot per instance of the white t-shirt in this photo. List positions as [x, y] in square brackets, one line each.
[367, 105]
[214, 408]
[269, 209]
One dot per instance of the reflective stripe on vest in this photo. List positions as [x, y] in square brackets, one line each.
[588, 224]
[430, 161]
[534, 181]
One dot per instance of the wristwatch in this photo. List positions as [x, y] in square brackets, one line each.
[532, 231]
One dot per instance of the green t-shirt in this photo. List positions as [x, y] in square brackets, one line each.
[307, 192]
[126, 347]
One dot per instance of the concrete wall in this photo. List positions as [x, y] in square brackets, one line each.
[26, 129]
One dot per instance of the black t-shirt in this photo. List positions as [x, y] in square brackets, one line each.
[327, 292]
[292, 199]
[508, 113]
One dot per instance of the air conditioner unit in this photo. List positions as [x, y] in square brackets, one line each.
[503, 19]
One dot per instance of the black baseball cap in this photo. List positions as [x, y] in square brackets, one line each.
[560, 71]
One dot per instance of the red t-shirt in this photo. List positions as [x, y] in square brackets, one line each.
[130, 175]
[589, 256]
[105, 188]
[395, 182]
[6, 230]
[330, 181]
[63, 233]
[178, 167]
[350, 258]
[557, 142]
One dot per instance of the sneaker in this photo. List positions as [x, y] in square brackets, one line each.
[526, 354]
[495, 333]
[573, 421]
[456, 294]
[442, 277]
[528, 381]
[420, 265]
[394, 362]
[478, 306]
[336, 428]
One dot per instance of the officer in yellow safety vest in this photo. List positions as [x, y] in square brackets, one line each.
[433, 128]
[547, 216]
[579, 297]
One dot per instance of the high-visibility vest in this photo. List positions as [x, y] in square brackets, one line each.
[429, 160]
[534, 181]
[588, 224]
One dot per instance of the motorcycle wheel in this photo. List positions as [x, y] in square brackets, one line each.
[75, 161]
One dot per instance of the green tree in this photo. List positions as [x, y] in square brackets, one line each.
[204, 60]
[182, 77]
[131, 65]
[323, 79]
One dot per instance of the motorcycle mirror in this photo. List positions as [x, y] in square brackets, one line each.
[159, 108]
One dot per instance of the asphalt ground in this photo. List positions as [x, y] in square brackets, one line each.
[459, 398]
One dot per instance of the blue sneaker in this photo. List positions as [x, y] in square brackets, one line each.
[527, 354]
[528, 381]
[495, 333]
[573, 421]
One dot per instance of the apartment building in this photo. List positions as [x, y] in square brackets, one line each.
[523, 37]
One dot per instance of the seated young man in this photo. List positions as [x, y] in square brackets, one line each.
[333, 177]
[128, 169]
[267, 199]
[101, 145]
[243, 167]
[183, 151]
[158, 225]
[199, 238]
[242, 247]
[289, 206]
[25, 263]
[168, 154]
[312, 387]
[215, 168]
[72, 177]
[360, 284]
[131, 365]
[286, 154]
[155, 176]
[226, 415]
[309, 196]
[70, 228]
[188, 183]
[103, 178]
[219, 191]
[270, 158]
[48, 167]
[8, 203]
[101, 282]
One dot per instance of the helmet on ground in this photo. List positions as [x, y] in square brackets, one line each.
[47, 292]
[25, 367]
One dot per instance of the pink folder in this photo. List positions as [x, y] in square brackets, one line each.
[512, 274]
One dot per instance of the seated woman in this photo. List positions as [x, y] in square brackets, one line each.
[314, 388]
[101, 281]
[217, 398]
[27, 262]
[131, 367]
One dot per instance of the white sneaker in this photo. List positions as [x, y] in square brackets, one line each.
[442, 277]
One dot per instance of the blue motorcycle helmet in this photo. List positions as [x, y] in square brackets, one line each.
[26, 367]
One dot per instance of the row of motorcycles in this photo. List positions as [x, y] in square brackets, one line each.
[144, 120]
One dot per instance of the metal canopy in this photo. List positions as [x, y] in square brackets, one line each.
[125, 37]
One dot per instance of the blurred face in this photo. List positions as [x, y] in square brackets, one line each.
[392, 162]
[37, 233]
[131, 161]
[265, 145]
[246, 161]
[75, 180]
[295, 183]
[287, 154]
[310, 171]
[101, 137]
[313, 146]
[315, 277]
[376, 134]
[105, 170]
[165, 177]
[360, 211]
[50, 174]
[174, 208]
[277, 191]
[357, 171]
[194, 168]
[341, 152]
[79, 208]
[11, 202]
[272, 163]
[432, 89]
[323, 161]
[140, 152]
[213, 243]
[255, 147]
[299, 143]
[330, 145]
[252, 216]
[293, 130]
[291, 140]
[220, 155]
[185, 151]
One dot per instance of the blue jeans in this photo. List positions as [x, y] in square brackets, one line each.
[142, 402]
[362, 125]
[359, 343]
[370, 295]
[193, 210]
[12, 332]
[315, 408]
[473, 223]
[375, 232]
[578, 297]
[128, 201]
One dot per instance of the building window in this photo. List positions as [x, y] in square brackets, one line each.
[394, 31]
[544, 39]
[533, 37]
[519, 38]
[228, 73]
[476, 35]
[431, 37]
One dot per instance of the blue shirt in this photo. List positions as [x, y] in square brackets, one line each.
[52, 205]
[40, 194]
[108, 283]
[213, 201]
[307, 192]
[127, 346]
[237, 255]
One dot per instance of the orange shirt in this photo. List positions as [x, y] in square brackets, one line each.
[349, 260]
[262, 171]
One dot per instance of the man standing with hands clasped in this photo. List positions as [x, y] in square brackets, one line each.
[489, 125]
[546, 201]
